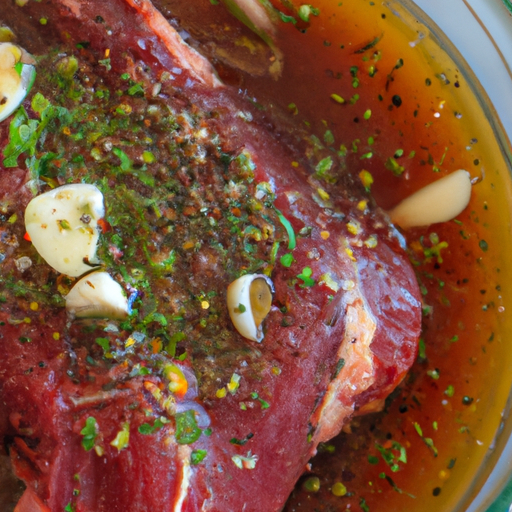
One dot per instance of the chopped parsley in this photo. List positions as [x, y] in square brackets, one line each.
[89, 433]
[305, 277]
[187, 430]
[147, 429]
[292, 242]
[197, 456]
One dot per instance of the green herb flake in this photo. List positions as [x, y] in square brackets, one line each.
[126, 163]
[337, 98]
[427, 440]
[264, 404]
[305, 277]
[197, 456]
[422, 349]
[286, 260]
[148, 429]
[105, 63]
[393, 166]
[292, 242]
[64, 224]
[393, 455]
[187, 430]
[323, 167]
[285, 18]
[89, 433]
[39, 103]
[306, 10]
[238, 442]
[449, 391]
[434, 374]
[136, 90]
[293, 108]
[354, 99]
[148, 157]
[328, 137]
[156, 317]
[103, 343]
[24, 133]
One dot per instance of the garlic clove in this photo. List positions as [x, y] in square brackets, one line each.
[63, 226]
[249, 300]
[97, 295]
[440, 201]
[17, 75]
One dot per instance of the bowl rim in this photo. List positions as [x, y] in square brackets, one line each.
[480, 44]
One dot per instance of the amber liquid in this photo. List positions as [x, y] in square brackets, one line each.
[424, 114]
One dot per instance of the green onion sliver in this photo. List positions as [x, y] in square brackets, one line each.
[292, 242]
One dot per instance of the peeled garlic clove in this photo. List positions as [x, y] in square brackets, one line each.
[440, 201]
[249, 300]
[63, 226]
[17, 74]
[97, 295]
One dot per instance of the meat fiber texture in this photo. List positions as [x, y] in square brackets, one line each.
[331, 350]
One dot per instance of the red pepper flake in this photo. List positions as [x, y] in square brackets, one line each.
[156, 345]
[104, 225]
[26, 237]
[189, 211]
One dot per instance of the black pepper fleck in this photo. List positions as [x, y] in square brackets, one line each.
[396, 100]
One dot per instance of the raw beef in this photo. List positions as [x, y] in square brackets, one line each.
[200, 187]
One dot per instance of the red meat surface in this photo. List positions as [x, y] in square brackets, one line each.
[330, 351]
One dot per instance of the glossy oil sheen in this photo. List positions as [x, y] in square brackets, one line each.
[441, 119]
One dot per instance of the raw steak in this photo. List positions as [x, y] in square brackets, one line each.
[199, 188]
